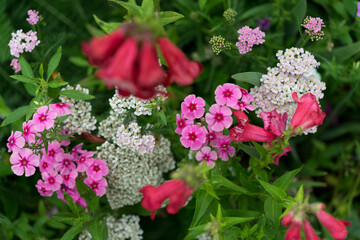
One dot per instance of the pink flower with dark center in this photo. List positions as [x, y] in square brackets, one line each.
[193, 107]
[219, 117]
[211, 136]
[193, 137]
[43, 119]
[53, 150]
[205, 154]
[224, 148]
[52, 180]
[246, 96]
[243, 106]
[15, 142]
[24, 161]
[274, 122]
[76, 150]
[29, 131]
[73, 193]
[69, 178]
[84, 161]
[46, 164]
[228, 94]
[97, 170]
[61, 108]
[43, 189]
[64, 163]
[97, 186]
[181, 123]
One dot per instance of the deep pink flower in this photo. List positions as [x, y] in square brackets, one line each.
[24, 161]
[310, 232]
[46, 164]
[84, 161]
[287, 219]
[43, 119]
[181, 123]
[61, 108]
[52, 180]
[76, 150]
[43, 189]
[293, 233]
[337, 228]
[29, 131]
[54, 148]
[97, 186]
[308, 113]
[219, 117]
[15, 142]
[193, 107]
[211, 136]
[64, 163]
[243, 106]
[227, 94]
[193, 137]
[81, 202]
[69, 178]
[274, 122]
[246, 96]
[73, 193]
[97, 170]
[205, 154]
[224, 148]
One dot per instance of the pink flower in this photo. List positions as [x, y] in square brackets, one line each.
[64, 163]
[43, 189]
[313, 27]
[15, 64]
[193, 137]
[228, 94]
[205, 154]
[309, 232]
[24, 161]
[293, 233]
[219, 117]
[73, 193]
[224, 148]
[337, 228]
[61, 108]
[15, 142]
[246, 96]
[287, 219]
[248, 38]
[193, 107]
[358, 9]
[53, 150]
[43, 119]
[46, 164]
[243, 106]
[69, 178]
[97, 170]
[211, 136]
[52, 180]
[97, 186]
[181, 123]
[85, 161]
[308, 113]
[33, 17]
[284, 153]
[274, 122]
[77, 149]
[29, 131]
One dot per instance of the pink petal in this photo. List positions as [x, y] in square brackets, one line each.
[29, 170]
[17, 169]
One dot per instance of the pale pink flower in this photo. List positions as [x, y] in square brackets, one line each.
[97, 170]
[219, 117]
[85, 161]
[64, 163]
[15, 142]
[61, 108]
[69, 178]
[181, 123]
[29, 131]
[205, 154]
[52, 180]
[248, 38]
[313, 27]
[24, 161]
[227, 94]
[43, 189]
[246, 96]
[224, 148]
[243, 106]
[97, 186]
[15, 64]
[193, 137]
[43, 119]
[193, 107]
[33, 17]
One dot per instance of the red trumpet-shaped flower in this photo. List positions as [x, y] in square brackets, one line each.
[274, 122]
[310, 232]
[293, 233]
[337, 228]
[287, 219]
[177, 191]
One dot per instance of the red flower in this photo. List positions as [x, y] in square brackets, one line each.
[284, 153]
[308, 113]
[274, 122]
[287, 219]
[247, 132]
[293, 233]
[177, 191]
[309, 232]
[336, 227]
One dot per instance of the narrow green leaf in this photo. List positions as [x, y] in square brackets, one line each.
[23, 78]
[79, 61]
[95, 230]
[249, 77]
[274, 191]
[76, 94]
[41, 71]
[252, 152]
[4, 110]
[107, 27]
[284, 181]
[344, 53]
[15, 115]
[231, 221]
[54, 63]
[220, 180]
[299, 11]
[273, 210]
[26, 68]
[300, 195]
[169, 17]
[163, 117]
[68, 218]
[71, 204]
[203, 200]
[73, 231]
[56, 83]
[256, 11]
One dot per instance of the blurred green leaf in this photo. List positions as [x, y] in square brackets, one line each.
[15, 115]
[274, 191]
[255, 11]
[23, 78]
[76, 94]
[4, 110]
[26, 68]
[169, 17]
[344, 53]
[248, 77]
[273, 210]
[73, 231]
[54, 63]
[220, 180]
[300, 195]
[107, 27]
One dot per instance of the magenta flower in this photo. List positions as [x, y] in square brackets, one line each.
[69, 178]
[24, 161]
[52, 180]
[77, 149]
[193, 107]
[85, 161]
[246, 96]
[97, 170]
[73, 193]
[46, 164]
[61, 108]
[224, 148]
[243, 106]
[81, 202]
[97, 186]
[43, 189]
[181, 123]
[205, 154]
[29, 131]
[358, 9]
[248, 38]
[15, 142]
[219, 117]
[54, 149]
[64, 163]
[228, 94]
[211, 136]
[43, 119]
[193, 137]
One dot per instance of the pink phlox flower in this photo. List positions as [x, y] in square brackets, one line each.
[284, 153]
[15, 142]
[243, 106]
[246, 96]
[54, 148]
[207, 155]
[358, 9]
[211, 136]
[219, 117]
[193, 107]
[181, 123]
[64, 163]
[85, 161]
[16, 65]
[43, 189]
[193, 137]
[97, 170]
[33, 17]
[52, 180]
[24, 161]
[43, 119]
[29, 132]
[61, 108]
[46, 164]
[227, 94]
[76, 150]
[274, 122]
[97, 186]
[69, 178]
[73, 193]
[248, 38]
[224, 149]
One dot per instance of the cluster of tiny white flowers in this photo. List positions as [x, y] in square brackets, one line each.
[80, 120]
[108, 127]
[21, 42]
[125, 228]
[294, 73]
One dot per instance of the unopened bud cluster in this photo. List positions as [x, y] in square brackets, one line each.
[230, 15]
[219, 43]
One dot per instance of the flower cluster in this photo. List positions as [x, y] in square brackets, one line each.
[294, 73]
[313, 27]
[33, 17]
[230, 15]
[16, 65]
[204, 135]
[248, 38]
[219, 43]
[21, 42]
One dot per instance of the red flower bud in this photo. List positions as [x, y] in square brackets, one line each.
[310, 232]
[336, 227]
[293, 233]
[287, 219]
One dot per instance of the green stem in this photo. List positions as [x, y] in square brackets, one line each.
[305, 41]
[353, 192]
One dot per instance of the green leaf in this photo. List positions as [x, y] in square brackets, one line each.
[202, 4]
[252, 152]
[284, 181]
[169, 17]
[89, 195]
[344, 53]
[231, 221]
[41, 70]
[163, 117]
[248, 77]
[56, 83]
[148, 7]
[26, 68]
[69, 218]
[71, 204]
[274, 191]
[76, 94]
[4, 110]
[23, 78]
[300, 195]
[131, 7]
[79, 61]
[15, 115]
[273, 210]
[256, 11]
[299, 11]
[107, 27]
[73, 231]
[220, 180]
[95, 230]
[54, 63]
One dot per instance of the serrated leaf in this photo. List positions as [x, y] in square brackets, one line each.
[248, 77]
[107, 27]
[284, 181]
[273, 210]
[54, 63]
[277, 193]
[169, 17]
[73, 231]
[300, 195]
[220, 180]
[15, 115]
[76, 94]
[26, 69]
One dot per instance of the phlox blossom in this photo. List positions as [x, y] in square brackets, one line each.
[54, 149]
[205, 154]
[97, 186]
[24, 161]
[52, 180]
[227, 94]
[246, 96]
[211, 136]
[15, 142]
[224, 148]
[243, 106]
[193, 107]
[46, 164]
[84, 161]
[219, 117]
[181, 123]
[97, 170]
[43, 119]
[193, 137]
[29, 131]
[64, 163]
[43, 189]
[61, 108]
[69, 178]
